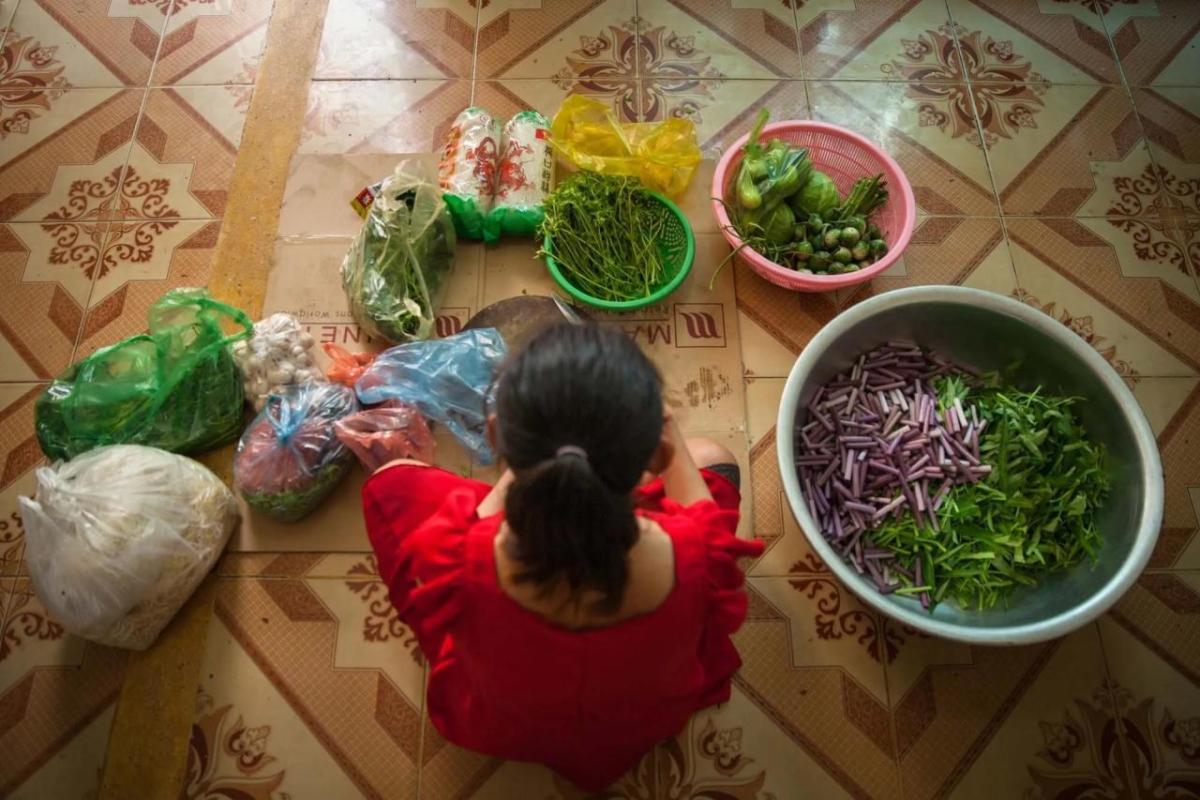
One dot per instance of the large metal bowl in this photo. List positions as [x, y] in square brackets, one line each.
[988, 332]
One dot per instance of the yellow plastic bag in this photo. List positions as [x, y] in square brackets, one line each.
[662, 154]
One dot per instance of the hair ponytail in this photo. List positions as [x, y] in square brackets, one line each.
[579, 416]
[573, 527]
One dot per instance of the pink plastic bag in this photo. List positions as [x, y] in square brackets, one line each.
[385, 433]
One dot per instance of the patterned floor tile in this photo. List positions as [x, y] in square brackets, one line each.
[381, 116]
[19, 456]
[1027, 41]
[682, 41]
[762, 406]
[54, 690]
[59, 138]
[1171, 119]
[722, 110]
[307, 686]
[998, 722]
[218, 42]
[567, 40]
[867, 39]
[1157, 43]
[1140, 313]
[781, 321]
[1061, 149]
[1153, 655]
[739, 750]
[813, 663]
[390, 39]
[186, 143]
[449, 772]
[46, 273]
[76, 769]
[87, 43]
[7, 9]
[141, 260]
[1173, 407]
[506, 97]
[927, 127]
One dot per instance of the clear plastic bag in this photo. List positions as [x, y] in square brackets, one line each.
[663, 154]
[176, 387]
[119, 538]
[385, 433]
[397, 266]
[289, 459]
[467, 171]
[448, 380]
[523, 179]
[276, 355]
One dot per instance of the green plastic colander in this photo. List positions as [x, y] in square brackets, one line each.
[678, 247]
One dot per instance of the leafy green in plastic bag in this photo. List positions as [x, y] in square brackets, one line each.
[397, 266]
[175, 388]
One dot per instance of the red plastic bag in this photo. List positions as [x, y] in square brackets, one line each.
[385, 433]
[347, 367]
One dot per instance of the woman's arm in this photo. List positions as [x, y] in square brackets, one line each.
[682, 481]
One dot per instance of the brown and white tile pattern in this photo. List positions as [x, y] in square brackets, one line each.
[56, 696]
[1157, 43]
[397, 39]
[308, 685]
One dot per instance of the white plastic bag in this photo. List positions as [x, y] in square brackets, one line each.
[118, 539]
[274, 357]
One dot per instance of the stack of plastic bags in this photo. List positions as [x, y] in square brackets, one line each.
[495, 181]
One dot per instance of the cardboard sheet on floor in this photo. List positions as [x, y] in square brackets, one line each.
[692, 337]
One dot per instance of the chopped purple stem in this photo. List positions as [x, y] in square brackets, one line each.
[873, 441]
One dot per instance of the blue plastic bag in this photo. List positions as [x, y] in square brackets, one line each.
[447, 379]
[289, 458]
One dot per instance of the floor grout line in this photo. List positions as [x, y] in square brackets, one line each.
[475, 55]
[145, 89]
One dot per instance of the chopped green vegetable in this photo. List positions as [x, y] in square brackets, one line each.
[1033, 515]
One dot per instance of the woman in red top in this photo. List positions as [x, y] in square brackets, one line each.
[578, 612]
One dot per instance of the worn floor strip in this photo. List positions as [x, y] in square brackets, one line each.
[147, 750]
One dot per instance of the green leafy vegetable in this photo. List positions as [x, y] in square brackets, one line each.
[819, 196]
[1032, 516]
[605, 231]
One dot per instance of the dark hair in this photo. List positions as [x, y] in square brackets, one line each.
[579, 417]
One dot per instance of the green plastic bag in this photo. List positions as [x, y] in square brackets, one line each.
[175, 388]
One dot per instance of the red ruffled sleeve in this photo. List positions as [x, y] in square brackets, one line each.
[727, 602]
[417, 519]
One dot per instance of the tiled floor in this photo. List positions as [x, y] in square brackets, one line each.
[1054, 149]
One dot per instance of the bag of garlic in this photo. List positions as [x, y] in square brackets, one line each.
[117, 540]
[275, 355]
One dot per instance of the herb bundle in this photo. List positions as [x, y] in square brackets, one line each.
[605, 231]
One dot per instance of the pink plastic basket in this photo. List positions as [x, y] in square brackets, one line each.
[845, 157]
